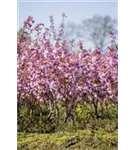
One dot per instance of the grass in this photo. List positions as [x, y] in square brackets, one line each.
[80, 140]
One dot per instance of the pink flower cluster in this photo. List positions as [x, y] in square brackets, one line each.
[49, 72]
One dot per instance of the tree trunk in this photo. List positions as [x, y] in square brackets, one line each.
[57, 114]
[69, 114]
[96, 108]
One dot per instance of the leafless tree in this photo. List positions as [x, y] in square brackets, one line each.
[94, 31]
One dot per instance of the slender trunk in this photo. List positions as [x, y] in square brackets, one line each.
[57, 111]
[51, 108]
[66, 117]
[70, 106]
[69, 114]
[96, 112]
[96, 108]
[57, 114]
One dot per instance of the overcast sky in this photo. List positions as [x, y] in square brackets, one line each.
[75, 11]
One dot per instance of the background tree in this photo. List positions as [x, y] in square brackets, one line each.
[94, 31]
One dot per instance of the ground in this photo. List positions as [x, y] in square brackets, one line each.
[80, 140]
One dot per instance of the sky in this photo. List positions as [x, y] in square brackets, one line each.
[75, 12]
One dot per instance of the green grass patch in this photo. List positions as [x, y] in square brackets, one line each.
[82, 139]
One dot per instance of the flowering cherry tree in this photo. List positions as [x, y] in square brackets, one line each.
[49, 72]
